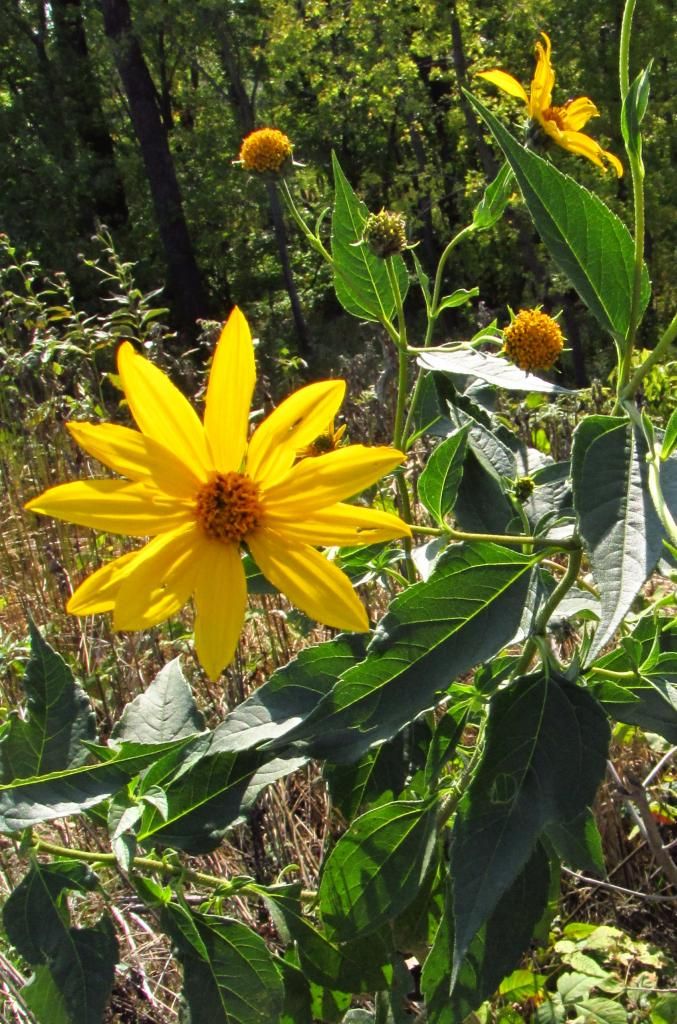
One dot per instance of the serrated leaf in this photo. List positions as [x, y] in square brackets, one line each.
[586, 240]
[360, 278]
[434, 632]
[468, 362]
[545, 753]
[597, 1010]
[494, 951]
[439, 481]
[165, 711]
[59, 718]
[28, 801]
[229, 975]
[359, 965]
[617, 520]
[377, 867]
[80, 961]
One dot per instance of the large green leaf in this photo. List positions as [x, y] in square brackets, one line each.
[435, 631]
[468, 362]
[586, 240]
[545, 752]
[80, 961]
[58, 718]
[229, 975]
[377, 867]
[26, 802]
[359, 965]
[617, 520]
[360, 277]
[165, 711]
[493, 953]
[578, 843]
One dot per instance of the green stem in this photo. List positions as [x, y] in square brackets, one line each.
[313, 240]
[612, 675]
[637, 176]
[549, 607]
[515, 539]
[656, 354]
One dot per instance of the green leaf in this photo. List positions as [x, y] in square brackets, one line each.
[435, 631]
[165, 711]
[494, 951]
[379, 775]
[59, 718]
[598, 1010]
[457, 298]
[578, 843]
[545, 753]
[229, 975]
[359, 965]
[466, 361]
[297, 996]
[360, 278]
[670, 438]
[491, 206]
[634, 109]
[80, 961]
[290, 694]
[44, 999]
[28, 801]
[617, 520]
[377, 867]
[204, 799]
[586, 240]
[439, 481]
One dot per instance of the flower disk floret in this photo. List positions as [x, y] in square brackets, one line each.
[203, 491]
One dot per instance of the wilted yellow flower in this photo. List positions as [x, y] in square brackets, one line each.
[533, 340]
[201, 491]
[265, 149]
[562, 124]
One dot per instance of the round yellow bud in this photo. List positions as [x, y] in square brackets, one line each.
[533, 341]
[265, 150]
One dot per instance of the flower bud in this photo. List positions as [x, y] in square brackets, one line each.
[385, 233]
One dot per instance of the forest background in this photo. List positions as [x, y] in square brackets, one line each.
[131, 116]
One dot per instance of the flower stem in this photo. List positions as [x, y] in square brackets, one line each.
[662, 347]
[549, 607]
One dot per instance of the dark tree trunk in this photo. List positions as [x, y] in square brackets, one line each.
[184, 280]
[489, 164]
[103, 194]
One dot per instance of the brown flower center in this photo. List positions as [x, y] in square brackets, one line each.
[556, 114]
[228, 507]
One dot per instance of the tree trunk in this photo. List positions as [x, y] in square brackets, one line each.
[102, 195]
[184, 279]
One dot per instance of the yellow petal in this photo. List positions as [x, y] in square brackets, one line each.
[311, 582]
[505, 82]
[582, 145]
[339, 524]
[577, 113]
[136, 456]
[99, 591]
[543, 81]
[220, 602]
[229, 394]
[116, 506]
[159, 581]
[161, 411]
[315, 483]
[295, 423]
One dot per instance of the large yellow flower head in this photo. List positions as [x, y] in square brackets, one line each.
[561, 124]
[202, 491]
[265, 150]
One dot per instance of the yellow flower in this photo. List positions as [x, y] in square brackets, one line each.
[200, 491]
[328, 441]
[562, 124]
[533, 340]
[265, 149]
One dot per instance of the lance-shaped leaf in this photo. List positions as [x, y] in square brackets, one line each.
[165, 711]
[59, 718]
[617, 520]
[467, 610]
[359, 965]
[80, 961]
[378, 866]
[586, 240]
[229, 975]
[495, 950]
[438, 483]
[468, 362]
[360, 277]
[26, 802]
[545, 752]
